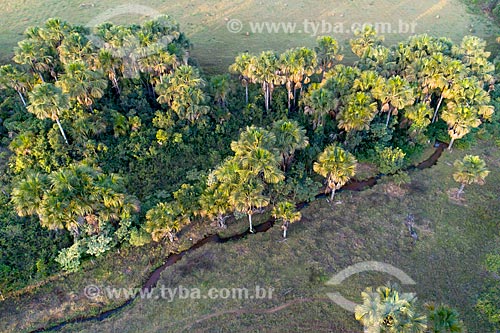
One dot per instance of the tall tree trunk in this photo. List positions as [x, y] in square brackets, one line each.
[62, 131]
[460, 190]
[289, 100]
[332, 194]
[22, 98]
[388, 118]
[246, 93]
[451, 143]
[434, 118]
[115, 84]
[250, 222]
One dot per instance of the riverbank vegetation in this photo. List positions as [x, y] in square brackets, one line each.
[115, 138]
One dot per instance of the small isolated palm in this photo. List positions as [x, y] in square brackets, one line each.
[286, 212]
[388, 310]
[443, 319]
[337, 166]
[48, 101]
[470, 170]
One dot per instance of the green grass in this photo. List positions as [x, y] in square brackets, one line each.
[445, 262]
[215, 47]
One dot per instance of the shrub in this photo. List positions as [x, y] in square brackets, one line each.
[139, 237]
[389, 160]
[69, 258]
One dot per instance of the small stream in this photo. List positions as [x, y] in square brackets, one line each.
[153, 279]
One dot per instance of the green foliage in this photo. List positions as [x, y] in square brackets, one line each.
[69, 258]
[98, 245]
[490, 297]
[389, 160]
[130, 122]
[139, 237]
[389, 310]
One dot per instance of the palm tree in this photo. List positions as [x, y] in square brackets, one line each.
[440, 74]
[163, 221]
[472, 169]
[221, 87]
[53, 31]
[251, 138]
[473, 54]
[182, 91]
[389, 310]
[27, 194]
[306, 62]
[419, 115]
[247, 197]
[262, 163]
[82, 84]
[109, 65]
[394, 95]
[286, 212]
[12, 78]
[327, 50]
[243, 65]
[365, 41]
[443, 319]
[75, 47]
[358, 114]
[214, 204]
[33, 54]
[266, 72]
[289, 138]
[337, 166]
[319, 103]
[48, 101]
[460, 119]
[367, 81]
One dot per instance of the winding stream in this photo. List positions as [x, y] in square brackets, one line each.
[153, 279]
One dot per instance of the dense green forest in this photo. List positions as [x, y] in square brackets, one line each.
[113, 137]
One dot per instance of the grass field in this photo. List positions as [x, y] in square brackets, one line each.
[446, 263]
[215, 47]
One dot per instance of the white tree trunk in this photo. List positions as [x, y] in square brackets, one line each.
[250, 222]
[62, 131]
[434, 118]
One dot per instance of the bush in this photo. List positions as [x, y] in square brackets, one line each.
[97, 245]
[389, 160]
[69, 258]
[401, 178]
[139, 238]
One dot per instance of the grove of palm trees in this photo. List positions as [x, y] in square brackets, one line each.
[117, 150]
